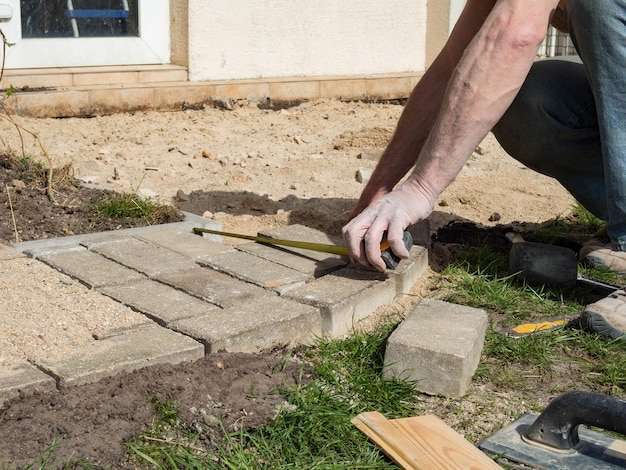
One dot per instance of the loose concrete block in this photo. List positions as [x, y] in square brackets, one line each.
[142, 256]
[214, 287]
[345, 297]
[22, 378]
[313, 265]
[255, 270]
[160, 302]
[410, 270]
[123, 353]
[254, 326]
[438, 346]
[91, 269]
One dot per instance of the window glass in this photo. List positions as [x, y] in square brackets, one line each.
[79, 18]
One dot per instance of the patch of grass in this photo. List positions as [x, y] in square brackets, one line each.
[129, 207]
[169, 443]
[313, 430]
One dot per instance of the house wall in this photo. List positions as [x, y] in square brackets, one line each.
[251, 39]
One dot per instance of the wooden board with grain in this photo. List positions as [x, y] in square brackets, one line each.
[422, 443]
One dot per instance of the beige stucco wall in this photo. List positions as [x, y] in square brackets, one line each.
[292, 38]
[179, 31]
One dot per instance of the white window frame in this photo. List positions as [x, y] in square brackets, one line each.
[151, 47]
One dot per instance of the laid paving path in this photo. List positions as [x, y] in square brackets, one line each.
[179, 296]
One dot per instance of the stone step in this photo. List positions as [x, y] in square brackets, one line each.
[97, 91]
[75, 77]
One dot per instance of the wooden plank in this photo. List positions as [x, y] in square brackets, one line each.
[422, 443]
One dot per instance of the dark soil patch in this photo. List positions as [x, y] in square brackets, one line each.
[29, 213]
[92, 421]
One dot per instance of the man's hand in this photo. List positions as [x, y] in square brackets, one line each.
[392, 213]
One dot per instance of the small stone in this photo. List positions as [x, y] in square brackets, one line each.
[19, 185]
[495, 217]
[363, 175]
[293, 186]
[181, 196]
[479, 150]
[443, 203]
[206, 154]
[207, 214]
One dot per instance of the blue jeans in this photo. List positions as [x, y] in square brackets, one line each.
[569, 119]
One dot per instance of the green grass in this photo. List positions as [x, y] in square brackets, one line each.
[131, 207]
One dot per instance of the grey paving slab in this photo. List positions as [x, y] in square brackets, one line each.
[346, 296]
[438, 347]
[212, 286]
[125, 352]
[160, 302]
[410, 270]
[90, 268]
[255, 270]
[312, 264]
[22, 378]
[39, 247]
[185, 242]
[142, 256]
[254, 326]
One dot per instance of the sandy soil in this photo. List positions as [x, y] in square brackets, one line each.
[251, 169]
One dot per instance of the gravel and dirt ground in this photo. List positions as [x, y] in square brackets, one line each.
[250, 169]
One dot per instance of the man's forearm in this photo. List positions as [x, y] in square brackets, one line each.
[482, 87]
[422, 107]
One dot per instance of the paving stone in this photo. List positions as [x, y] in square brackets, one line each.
[22, 378]
[212, 286]
[255, 270]
[123, 353]
[254, 326]
[160, 302]
[38, 248]
[346, 296]
[142, 256]
[313, 264]
[91, 268]
[410, 270]
[438, 346]
[186, 243]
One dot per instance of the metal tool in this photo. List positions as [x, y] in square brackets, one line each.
[539, 264]
[389, 257]
[553, 440]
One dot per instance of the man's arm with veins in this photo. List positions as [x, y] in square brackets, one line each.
[422, 108]
[482, 86]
